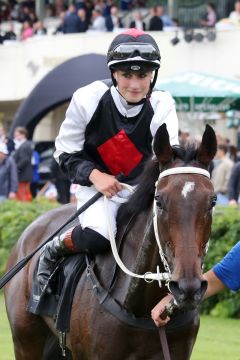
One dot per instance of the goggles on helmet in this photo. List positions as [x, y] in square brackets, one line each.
[129, 50]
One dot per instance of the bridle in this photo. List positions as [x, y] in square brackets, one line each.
[149, 276]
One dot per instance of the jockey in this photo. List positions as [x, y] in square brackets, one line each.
[108, 130]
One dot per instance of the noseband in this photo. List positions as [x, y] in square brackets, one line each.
[149, 276]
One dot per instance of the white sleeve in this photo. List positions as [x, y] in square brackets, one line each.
[84, 102]
[164, 112]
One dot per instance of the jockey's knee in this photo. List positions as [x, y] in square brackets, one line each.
[89, 241]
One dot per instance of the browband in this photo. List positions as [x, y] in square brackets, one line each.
[184, 170]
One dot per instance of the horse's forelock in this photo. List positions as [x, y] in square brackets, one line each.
[186, 154]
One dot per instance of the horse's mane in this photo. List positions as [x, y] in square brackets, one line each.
[142, 198]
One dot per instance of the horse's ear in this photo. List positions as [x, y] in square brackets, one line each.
[161, 145]
[208, 147]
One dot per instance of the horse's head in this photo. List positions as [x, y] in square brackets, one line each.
[184, 212]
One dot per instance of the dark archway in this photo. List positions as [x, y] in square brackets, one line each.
[57, 87]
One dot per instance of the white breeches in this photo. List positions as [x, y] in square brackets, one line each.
[95, 216]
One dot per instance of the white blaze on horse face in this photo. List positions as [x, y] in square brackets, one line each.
[188, 187]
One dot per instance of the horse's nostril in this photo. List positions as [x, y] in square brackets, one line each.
[204, 285]
[185, 289]
[176, 291]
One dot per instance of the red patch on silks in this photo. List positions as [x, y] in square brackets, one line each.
[134, 32]
[120, 154]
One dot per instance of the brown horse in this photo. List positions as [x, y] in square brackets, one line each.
[184, 198]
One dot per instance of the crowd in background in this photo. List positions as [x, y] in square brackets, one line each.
[20, 178]
[20, 161]
[98, 15]
[224, 170]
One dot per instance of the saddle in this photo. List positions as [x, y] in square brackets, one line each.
[64, 280]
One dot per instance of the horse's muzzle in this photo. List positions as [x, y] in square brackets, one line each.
[188, 293]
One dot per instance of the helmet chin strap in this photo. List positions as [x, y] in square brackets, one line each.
[142, 101]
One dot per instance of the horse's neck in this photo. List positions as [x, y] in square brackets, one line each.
[140, 254]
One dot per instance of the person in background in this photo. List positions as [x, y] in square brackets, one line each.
[6, 140]
[107, 7]
[83, 23]
[126, 5]
[211, 16]
[221, 174]
[137, 21]
[71, 21]
[155, 23]
[234, 185]
[24, 14]
[184, 136]
[59, 6]
[59, 28]
[88, 6]
[113, 21]
[234, 16]
[62, 183]
[164, 17]
[233, 153]
[224, 275]
[98, 21]
[26, 31]
[39, 29]
[36, 176]
[8, 175]
[10, 35]
[23, 158]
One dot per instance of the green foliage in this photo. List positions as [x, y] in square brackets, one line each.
[14, 218]
[225, 234]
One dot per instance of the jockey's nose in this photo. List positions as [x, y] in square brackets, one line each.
[188, 292]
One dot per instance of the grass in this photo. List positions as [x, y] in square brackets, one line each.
[6, 348]
[218, 338]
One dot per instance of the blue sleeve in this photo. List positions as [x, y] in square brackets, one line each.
[228, 269]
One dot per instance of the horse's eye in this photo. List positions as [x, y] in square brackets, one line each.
[159, 202]
[214, 201]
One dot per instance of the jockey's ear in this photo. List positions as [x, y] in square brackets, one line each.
[161, 145]
[208, 147]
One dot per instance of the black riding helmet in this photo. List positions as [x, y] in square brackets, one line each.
[134, 50]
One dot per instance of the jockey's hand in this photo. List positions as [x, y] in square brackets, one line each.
[107, 184]
[159, 309]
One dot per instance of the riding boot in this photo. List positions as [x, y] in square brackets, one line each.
[75, 240]
[51, 253]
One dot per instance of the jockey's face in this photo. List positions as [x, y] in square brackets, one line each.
[133, 85]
